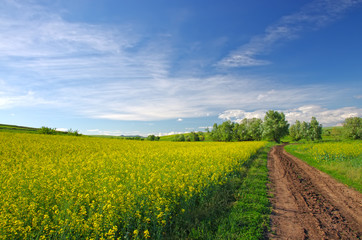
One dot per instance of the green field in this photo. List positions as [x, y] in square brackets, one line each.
[14, 128]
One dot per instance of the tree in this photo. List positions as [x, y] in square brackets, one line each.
[215, 134]
[226, 131]
[241, 131]
[255, 129]
[47, 130]
[201, 136]
[73, 132]
[194, 137]
[352, 128]
[295, 131]
[315, 130]
[304, 130]
[179, 138]
[274, 126]
[153, 138]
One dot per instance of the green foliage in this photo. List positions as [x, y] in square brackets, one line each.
[315, 130]
[254, 129]
[274, 126]
[309, 131]
[179, 138]
[47, 130]
[153, 138]
[73, 132]
[352, 128]
[189, 137]
[295, 131]
[226, 131]
[194, 137]
[246, 130]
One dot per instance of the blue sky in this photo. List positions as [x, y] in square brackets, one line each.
[158, 67]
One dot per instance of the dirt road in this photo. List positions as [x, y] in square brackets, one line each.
[308, 204]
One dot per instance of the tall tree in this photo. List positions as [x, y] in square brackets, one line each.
[352, 128]
[315, 129]
[215, 133]
[304, 130]
[226, 131]
[275, 126]
[295, 131]
[255, 129]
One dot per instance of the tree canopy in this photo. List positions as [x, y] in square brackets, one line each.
[275, 126]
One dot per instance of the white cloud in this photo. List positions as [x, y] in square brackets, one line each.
[172, 98]
[327, 117]
[209, 127]
[110, 132]
[62, 129]
[312, 16]
[104, 72]
[170, 133]
[28, 99]
[238, 115]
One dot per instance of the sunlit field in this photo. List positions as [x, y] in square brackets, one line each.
[342, 160]
[83, 188]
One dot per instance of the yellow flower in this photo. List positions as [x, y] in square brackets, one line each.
[146, 234]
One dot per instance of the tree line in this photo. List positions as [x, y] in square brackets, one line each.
[190, 137]
[274, 127]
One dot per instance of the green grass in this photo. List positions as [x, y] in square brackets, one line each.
[17, 129]
[239, 209]
[347, 171]
[22, 129]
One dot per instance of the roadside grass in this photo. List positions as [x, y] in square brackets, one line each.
[239, 209]
[347, 171]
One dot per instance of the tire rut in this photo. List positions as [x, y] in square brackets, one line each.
[309, 204]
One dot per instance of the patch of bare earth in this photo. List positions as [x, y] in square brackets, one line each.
[309, 204]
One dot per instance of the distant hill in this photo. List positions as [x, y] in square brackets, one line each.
[22, 129]
[14, 128]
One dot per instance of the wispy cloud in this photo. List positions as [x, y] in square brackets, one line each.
[328, 117]
[312, 16]
[112, 132]
[172, 98]
[115, 72]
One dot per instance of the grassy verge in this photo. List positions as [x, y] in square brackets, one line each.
[347, 171]
[239, 209]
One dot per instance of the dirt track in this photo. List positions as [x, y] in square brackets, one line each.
[308, 204]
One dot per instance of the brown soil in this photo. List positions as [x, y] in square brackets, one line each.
[309, 204]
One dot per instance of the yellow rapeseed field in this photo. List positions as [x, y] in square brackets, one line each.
[58, 187]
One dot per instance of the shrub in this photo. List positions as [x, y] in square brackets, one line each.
[47, 130]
